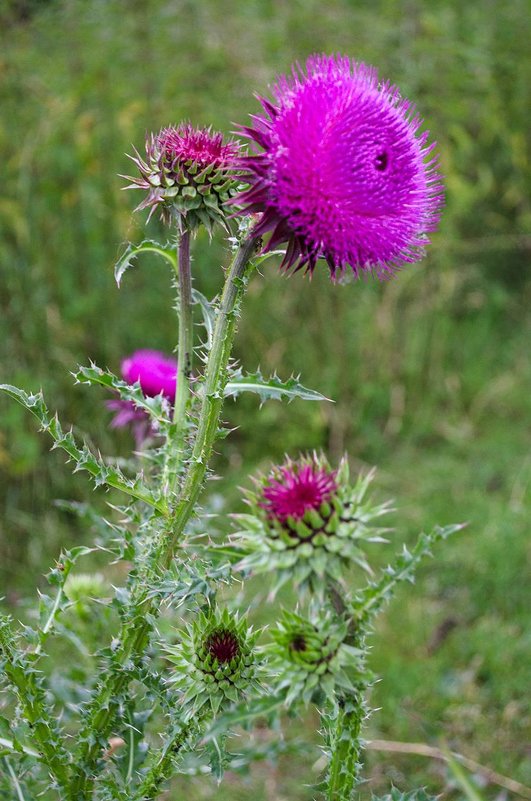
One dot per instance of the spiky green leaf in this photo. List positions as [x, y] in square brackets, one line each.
[102, 473]
[370, 600]
[209, 314]
[272, 388]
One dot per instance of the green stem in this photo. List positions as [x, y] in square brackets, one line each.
[159, 767]
[215, 380]
[185, 351]
[136, 628]
[15, 781]
[343, 772]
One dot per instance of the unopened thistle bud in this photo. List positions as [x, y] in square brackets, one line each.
[81, 589]
[311, 659]
[307, 523]
[188, 174]
[215, 662]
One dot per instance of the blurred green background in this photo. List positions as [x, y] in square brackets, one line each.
[430, 371]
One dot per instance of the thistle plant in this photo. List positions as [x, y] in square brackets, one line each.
[112, 685]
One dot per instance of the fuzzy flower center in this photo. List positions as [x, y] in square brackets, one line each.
[297, 490]
[223, 645]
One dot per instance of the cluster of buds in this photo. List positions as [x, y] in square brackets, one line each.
[307, 524]
[189, 174]
[311, 659]
[215, 662]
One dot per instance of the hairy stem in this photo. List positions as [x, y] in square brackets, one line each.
[136, 627]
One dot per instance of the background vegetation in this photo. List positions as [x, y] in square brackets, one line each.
[430, 371]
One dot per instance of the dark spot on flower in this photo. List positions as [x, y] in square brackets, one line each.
[223, 645]
[298, 643]
[382, 161]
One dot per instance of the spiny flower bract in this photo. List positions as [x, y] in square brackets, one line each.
[345, 172]
[189, 174]
[307, 523]
[215, 662]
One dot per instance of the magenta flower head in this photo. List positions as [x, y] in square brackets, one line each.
[344, 171]
[189, 174]
[295, 488]
[307, 522]
[156, 373]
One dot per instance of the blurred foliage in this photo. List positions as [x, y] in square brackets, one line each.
[430, 371]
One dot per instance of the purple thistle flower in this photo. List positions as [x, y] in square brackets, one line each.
[154, 371]
[187, 172]
[295, 488]
[156, 374]
[127, 414]
[345, 173]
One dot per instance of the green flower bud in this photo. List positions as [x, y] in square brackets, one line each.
[215, 661]
[307, 524]
[310, 658]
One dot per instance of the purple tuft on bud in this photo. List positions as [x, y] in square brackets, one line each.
[307, 522]
[296, 488]
[223, 645]
[344, 174]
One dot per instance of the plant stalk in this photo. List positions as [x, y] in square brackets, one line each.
[343, 771]
[215, 380]
[24, 675]
[186, 344]
[137, 626]
[159, 767]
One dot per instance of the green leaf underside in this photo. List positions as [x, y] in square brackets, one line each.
[272, 388]
[126, 260]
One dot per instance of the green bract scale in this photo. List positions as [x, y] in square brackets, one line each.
[188, 174]
[310, 658]
[215, 662]
[307, 523]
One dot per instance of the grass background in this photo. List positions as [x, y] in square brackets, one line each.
[430, 371]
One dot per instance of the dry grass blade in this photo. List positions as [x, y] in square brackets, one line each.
[421, 749]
